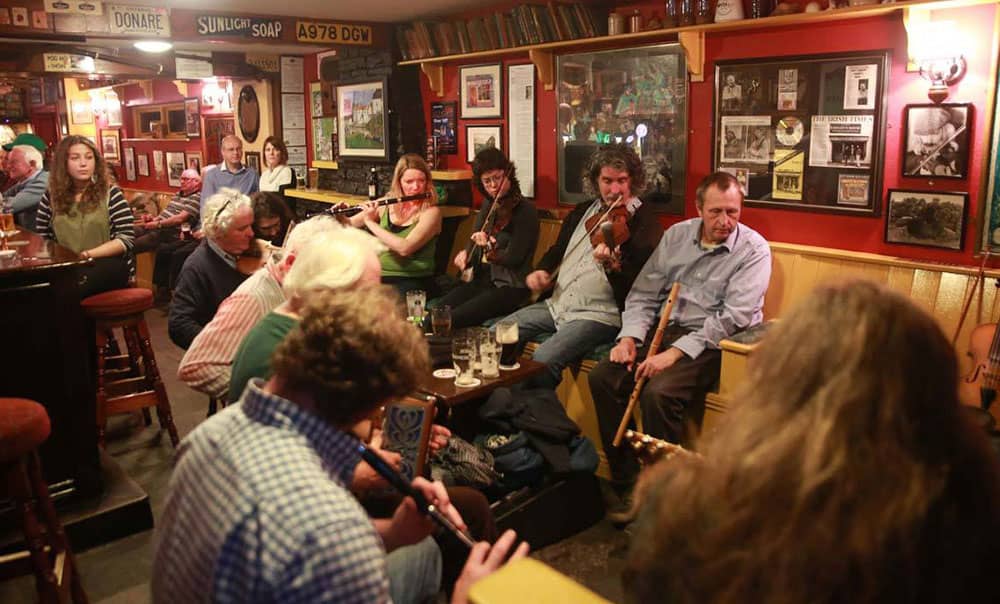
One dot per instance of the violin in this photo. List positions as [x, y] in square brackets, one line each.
[616, 213]
[497, 219]
[979, 388]
[255, 257]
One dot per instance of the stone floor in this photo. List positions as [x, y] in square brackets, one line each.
[119, 572]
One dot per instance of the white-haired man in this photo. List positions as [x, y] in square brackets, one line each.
[206, 364]
[24, 167]
[210, 275]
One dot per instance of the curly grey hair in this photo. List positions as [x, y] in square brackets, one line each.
[219, 210]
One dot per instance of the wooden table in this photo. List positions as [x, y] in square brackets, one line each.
[46, 356]
[449, 395]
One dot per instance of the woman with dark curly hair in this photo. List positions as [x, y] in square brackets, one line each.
[84, 212]
[501, 254]
[847, 473]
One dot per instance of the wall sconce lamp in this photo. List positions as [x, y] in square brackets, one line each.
[936, 50]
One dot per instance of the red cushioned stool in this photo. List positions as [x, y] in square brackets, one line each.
[123, 309]
[24, 426]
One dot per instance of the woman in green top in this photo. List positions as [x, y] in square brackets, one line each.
[84, 212]
[409, 230]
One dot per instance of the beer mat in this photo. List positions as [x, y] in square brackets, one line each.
[444, 374]
[510, 367]
[7, 253]
[472, 384]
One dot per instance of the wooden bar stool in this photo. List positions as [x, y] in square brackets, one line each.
[123, 309]
[24, 425]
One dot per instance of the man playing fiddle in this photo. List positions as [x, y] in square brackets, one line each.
[499, 251]
[724, 268]
[589, 282]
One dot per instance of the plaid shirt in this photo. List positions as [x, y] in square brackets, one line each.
[258, 511]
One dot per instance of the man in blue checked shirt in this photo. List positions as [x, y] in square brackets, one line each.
[259, 507]
[724, 268]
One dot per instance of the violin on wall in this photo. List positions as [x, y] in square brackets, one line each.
[979, 387]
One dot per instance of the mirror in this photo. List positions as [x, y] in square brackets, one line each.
[248, 112]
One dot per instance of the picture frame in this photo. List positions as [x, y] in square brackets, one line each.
[252, 160]
[480, 136]
[111, 145]
[444, 126]
[142, 164]
[809, 130]
[81, 112]
[362, 120]
[936, 140]
[175, 165]
[217, 128]
[192, 117]
[522, 92]
[194, 160]
[926, 218]
[158, 164]
[990, 215]
[129, 163]
[480, 89]
[114, 109]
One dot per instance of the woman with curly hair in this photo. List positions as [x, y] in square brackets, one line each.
[848, 472]
[84, 212]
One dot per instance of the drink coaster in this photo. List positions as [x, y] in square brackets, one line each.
[511, 367]
[475, 382]
[445, 374]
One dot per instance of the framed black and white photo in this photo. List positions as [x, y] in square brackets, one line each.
[193, 160]
[192, 117]
[142, 164]
[175, 165]
[480, 89]
[444, 126]
[929, 218]
[111, 145]
[936, 140]
[361, 120]
[129, 163]
[252, 160]
[478, 138]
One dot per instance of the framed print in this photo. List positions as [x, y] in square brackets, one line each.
[929, 218]
[361, 120]
[35, 96]
[111, 145]
[114, 109]
[324, 137]
[809, 131]
[81, 112]
[252, 160]
[158, 166]
[936, 140]
[635, 96]
[478, 138]
[480, 91]
[444, 126]
[175, 165]
[192, 117]
[142, 164]
[129, 163]
[991, 184]
[193, 160]
[521, 124]
[217, 128]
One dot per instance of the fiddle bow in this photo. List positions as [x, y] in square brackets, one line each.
[473, 252]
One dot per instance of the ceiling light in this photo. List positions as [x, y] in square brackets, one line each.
[153, 45]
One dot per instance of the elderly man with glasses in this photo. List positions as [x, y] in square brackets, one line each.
[165, 232]
[209, 274]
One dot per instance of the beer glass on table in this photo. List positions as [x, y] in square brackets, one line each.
[507, 336]
[441, 321]
[463, 350]
[489, 357]
[6, 217]
[416, 300]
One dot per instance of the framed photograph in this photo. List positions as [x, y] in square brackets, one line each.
[192, 117]
[142, 164]
[478, 138]
[193, 160]
[362, 120]
[111, 145]
[936, 140]
[444, 126]
[324, 138]
[217, 128]
[252, 160]
[158, 166]
[81, 112]
[635, 96]
[129, 163]
[114, 108]
[480, 90]
[991, 185]
[929, 218]
[175, 165]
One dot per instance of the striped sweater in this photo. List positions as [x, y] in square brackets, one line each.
[119, 212]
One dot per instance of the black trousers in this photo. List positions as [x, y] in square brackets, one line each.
[670, 402]
[474, 302]
[103, 274]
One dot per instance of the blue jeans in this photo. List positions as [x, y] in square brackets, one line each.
[568, 344]
[414, 572]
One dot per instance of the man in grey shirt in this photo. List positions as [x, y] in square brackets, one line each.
[724, 268]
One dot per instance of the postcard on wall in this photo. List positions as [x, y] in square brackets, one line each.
[293, 110]
[788, 89]
[788, 165]
[292, 74]
[852, 189]
[841, 141]
[859, 86]
[296, 155]
[746, 138]
[20, 14]
[295, 137]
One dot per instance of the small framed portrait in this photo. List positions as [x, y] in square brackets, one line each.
[444, 126]
[192, 117]
[193, 161]
[478, 138]
[252, 160]
[936, 140]
[111, 145]
[175, 165]
[81, 112]
[480, 89]
[142, 164]
[929, 218]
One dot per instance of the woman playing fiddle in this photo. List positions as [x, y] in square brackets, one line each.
[500, 248]
[409, 229]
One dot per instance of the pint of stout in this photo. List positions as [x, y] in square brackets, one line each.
[507, 336]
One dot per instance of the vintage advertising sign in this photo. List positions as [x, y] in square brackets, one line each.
[268, 63]
[257, 28]
[144, 21]
[58, 61]
[333, 33]
[79, 7]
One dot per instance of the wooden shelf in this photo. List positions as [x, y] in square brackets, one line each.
[332, 197]
[451, 174]
[325, 164]
[691, 37]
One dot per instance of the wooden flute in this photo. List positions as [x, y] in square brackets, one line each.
[337, 210]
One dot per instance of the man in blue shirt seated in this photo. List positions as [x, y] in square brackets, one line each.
[259, 507]
[24, 166]
[724, 268]
[231, 173]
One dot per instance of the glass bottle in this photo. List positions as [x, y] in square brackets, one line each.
[703, 11]
[373, 184]
[670, 14]
[686, 16]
